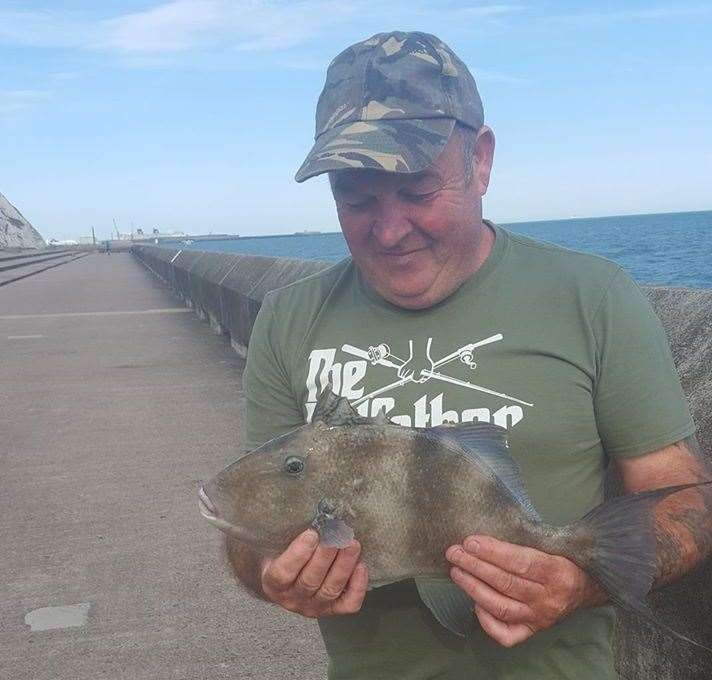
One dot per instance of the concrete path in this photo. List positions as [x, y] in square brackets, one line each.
[14, 270]
[114, 402]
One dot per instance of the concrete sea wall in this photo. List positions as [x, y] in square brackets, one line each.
[224, 289]
[227, 290]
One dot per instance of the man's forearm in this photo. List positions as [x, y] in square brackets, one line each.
[683, 522]
[246, 565]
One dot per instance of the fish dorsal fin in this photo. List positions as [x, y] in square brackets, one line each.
[335, 410]
[486, 443]
[381, 418]
[325, 404]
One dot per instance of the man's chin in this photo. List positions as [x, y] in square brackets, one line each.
[412, 296]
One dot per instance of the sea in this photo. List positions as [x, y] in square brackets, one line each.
[669, 249]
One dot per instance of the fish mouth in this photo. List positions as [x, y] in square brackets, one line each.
[209, 512]
[205, 505]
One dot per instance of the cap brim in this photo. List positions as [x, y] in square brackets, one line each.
[394, 145]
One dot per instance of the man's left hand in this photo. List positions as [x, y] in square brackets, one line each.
[518, 591]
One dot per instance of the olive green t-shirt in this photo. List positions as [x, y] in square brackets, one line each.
[561, 348]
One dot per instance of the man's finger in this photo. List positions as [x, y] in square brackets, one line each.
[500, 579]
[525, 562]
[500, 606]
[315, 570]
[507, 635]
[352, 598]
[282, 572]
[339, 574]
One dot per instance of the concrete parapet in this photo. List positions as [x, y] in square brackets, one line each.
[225, 289]
[182, 264]
[282, 272]
[646, 652]
[164, 263]
[240, 302]
[229, 289]
[206, 277]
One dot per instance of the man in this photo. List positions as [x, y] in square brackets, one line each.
[443, 316]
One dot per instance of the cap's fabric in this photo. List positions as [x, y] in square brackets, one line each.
[390, 103]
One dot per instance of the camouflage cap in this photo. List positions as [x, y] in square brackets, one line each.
[391, 103]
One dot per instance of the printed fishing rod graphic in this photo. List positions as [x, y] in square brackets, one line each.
[381, 355]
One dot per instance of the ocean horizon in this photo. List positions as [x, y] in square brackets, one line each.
[664, 249]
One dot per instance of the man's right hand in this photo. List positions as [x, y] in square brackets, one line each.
[313, 580]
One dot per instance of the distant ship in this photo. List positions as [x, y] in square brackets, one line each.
[306, 232]
[189, 239]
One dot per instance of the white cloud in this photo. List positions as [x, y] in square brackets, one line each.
[479, 11]
[171, 27]
[179, 26]
[13, 102]
[490, 76]
[43, 29]
[675, 11]
[64, 76]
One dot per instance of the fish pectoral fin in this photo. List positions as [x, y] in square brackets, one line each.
[334, 532]
[449, 605]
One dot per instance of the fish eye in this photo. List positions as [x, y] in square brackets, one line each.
[293, 465]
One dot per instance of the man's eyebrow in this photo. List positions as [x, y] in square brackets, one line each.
[428, 173]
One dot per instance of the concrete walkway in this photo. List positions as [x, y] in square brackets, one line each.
[114, 402]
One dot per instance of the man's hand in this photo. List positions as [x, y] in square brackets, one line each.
[313, 580]
[518, 591]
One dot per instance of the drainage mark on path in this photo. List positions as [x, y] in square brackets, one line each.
[65, 616]
[24, 337]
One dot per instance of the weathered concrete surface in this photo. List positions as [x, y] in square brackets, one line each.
[114, 403]
[6, 255]
[645, 652]
[33, 266]
[239, 304]
[207, 276]
[8, 264]
[225, 289]
[686, 606]
[15, 230]
[162, 264]
[182, 265]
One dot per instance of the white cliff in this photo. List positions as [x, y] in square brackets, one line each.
[15, 230]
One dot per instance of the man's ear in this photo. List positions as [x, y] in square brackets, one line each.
[484, 157]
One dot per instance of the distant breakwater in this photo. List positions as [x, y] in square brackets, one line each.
[227, 290]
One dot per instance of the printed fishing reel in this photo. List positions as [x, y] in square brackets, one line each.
[467, 357]
[378, 353]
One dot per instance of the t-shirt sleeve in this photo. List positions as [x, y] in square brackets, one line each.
[640, 406]
[271, 408]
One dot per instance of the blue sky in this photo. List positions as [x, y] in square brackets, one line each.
[195, 114]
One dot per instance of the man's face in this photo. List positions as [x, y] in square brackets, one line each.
[416, 237]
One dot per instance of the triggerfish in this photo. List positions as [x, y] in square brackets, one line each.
[407, 494]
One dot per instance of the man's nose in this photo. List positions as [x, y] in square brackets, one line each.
[391, 224]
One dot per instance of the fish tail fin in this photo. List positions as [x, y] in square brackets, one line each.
[622, 557]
